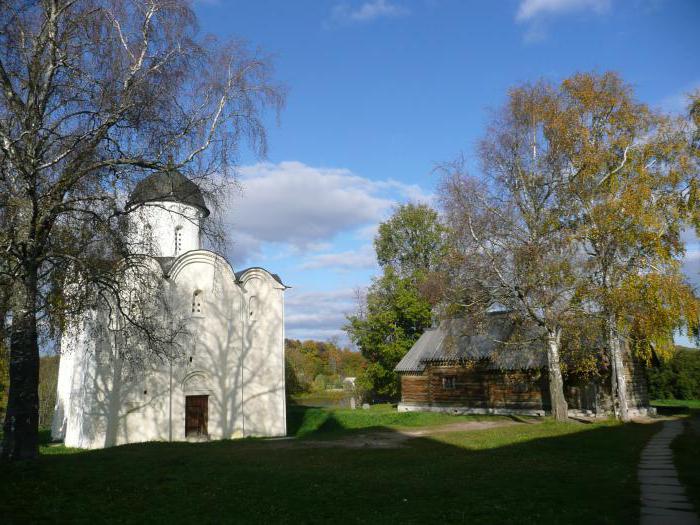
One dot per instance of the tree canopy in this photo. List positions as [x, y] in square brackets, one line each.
[573, 224]
[395, 312]
[579, 211]
[95, 96]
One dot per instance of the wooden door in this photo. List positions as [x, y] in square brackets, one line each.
[196, 415]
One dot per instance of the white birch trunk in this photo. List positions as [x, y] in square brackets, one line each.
[556, 383]
[617, 379]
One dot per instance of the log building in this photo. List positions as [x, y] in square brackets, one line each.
[493, 368]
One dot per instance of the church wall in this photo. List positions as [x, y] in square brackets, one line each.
[262, 380]
[211, 364]
[232, 350]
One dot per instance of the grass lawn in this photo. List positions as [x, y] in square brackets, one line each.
[540, 473]
[685, 455]
[690, 403]
[328, 422]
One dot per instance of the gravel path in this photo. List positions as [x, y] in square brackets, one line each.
[663, 497]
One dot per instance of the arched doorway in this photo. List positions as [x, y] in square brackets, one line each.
[196, 389]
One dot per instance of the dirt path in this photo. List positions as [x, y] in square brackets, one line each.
[395, 437]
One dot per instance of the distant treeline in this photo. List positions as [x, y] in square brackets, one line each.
[677, 378]
[314, 366]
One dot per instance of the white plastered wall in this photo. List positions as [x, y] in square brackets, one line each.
[234, 353]
[262, 381]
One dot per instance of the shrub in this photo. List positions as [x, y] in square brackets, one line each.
[677, 378]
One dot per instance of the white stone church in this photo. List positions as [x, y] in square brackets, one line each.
[227, 380]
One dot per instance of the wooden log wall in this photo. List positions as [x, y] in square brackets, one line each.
[476, 388]
[479, 387]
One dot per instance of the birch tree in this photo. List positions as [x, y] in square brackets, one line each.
[94, 96]
[581, 172]
[629, 171]
[512, 235]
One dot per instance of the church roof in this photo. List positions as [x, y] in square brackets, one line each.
[458, 341]
[276, 277]
[166, 263]
[168, 185]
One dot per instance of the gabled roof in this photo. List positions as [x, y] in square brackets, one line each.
[415, 359]
[497, 341]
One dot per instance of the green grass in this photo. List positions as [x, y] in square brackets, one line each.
[690, 403]
[317, 422]
[324, 395]
[685, 455]
[542, 473]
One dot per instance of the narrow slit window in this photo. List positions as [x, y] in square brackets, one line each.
[197, 302]
[253, 308]
[178, 240]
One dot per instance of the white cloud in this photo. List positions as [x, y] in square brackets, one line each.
[303, 208]
[367, 233]
[311, 218]
[410, 192]
[691, 261]
[362, 258]
[318, 315]
[536, 12]
[678, 102]
[368, 11]
[529, 9]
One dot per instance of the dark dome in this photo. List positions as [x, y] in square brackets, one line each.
[168, 185]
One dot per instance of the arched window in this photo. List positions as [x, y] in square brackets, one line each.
[178, 240]
[197, 302]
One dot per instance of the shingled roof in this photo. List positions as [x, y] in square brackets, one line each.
[497, 342]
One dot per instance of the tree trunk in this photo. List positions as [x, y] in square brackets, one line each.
[617, 376]
[556, 383]
[21, 428]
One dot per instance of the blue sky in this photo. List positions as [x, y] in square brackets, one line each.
[380, 91]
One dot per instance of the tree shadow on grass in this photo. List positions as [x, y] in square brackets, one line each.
[545, 473]
[303, 420]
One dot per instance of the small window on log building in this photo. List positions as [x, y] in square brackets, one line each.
[521, 388]
[449, 382]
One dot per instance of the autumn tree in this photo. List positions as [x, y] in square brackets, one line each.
[633, 188]
[511, 243]
[95, 95]
[395, 312]
[580, 213]
[312, 364]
